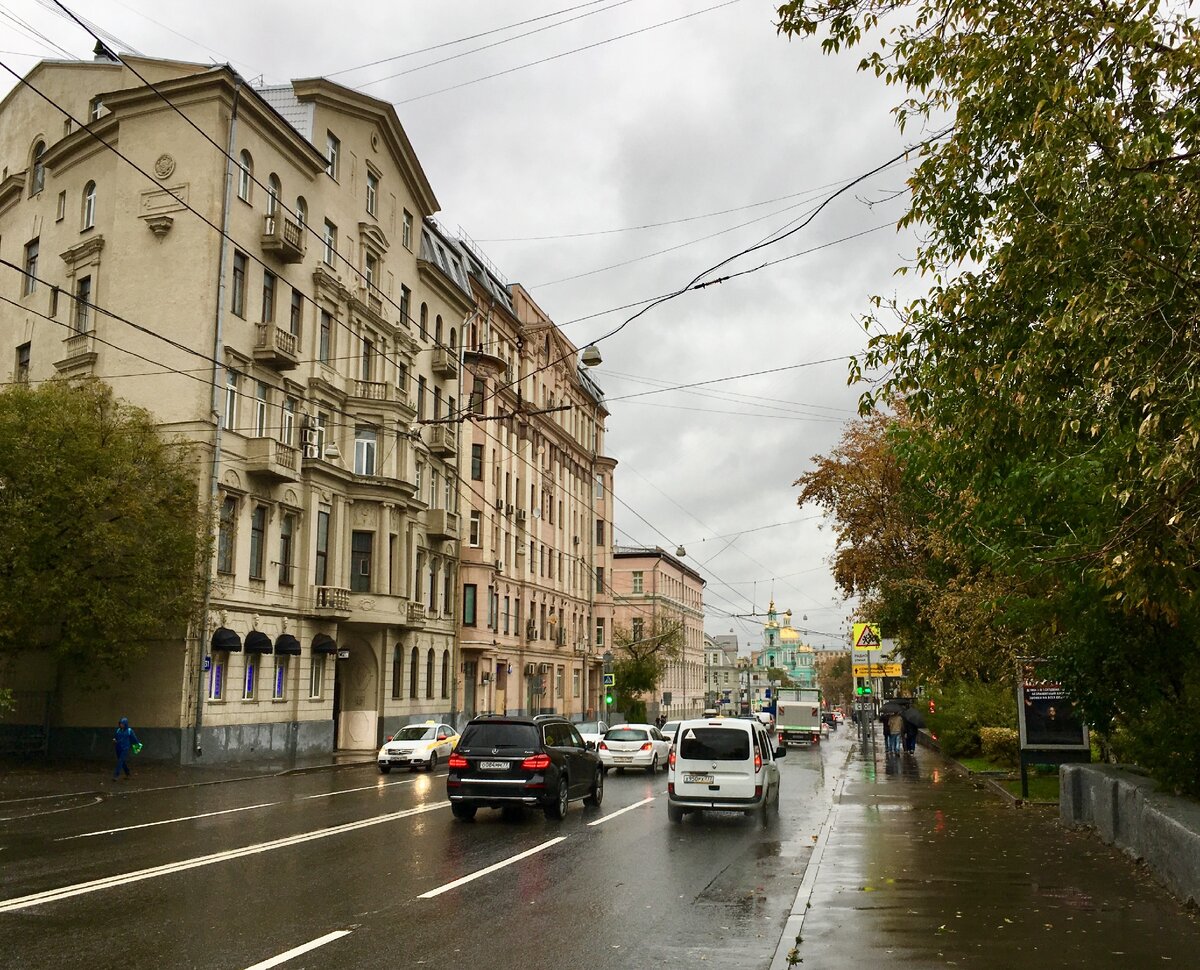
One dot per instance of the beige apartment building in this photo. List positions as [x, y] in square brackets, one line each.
[536, 513]
[309, 356]
[650, 585]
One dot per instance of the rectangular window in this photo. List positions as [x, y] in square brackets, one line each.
[277, 693]
[238, 300]
[504, 616]
[365, 440]
[599, 486]
[287, 422]
[600, 632]
[31, 267]
[287, 532]
[61, 214]
[258, 528]
[599, 579]
[470, 590]
[437, 404]
[360, 561]
[268, 297]
[420, 398]
[296, 317]
[406, 230]
[371, 271]
[316, 676]
[367, 369]
[575, 683]
[226, 534]
[321, 566]
[473, 537]
[95, 107]
[333, 152]
[260, 409]
[419, 577]
[83, 303]
[330, 244]
[372, 192]
[639, 627]
[231, 397]
[22, 372]
[639, 579]
[216, 676]
[325, 338]
[405, 305]
[250, 685]
[600, 532]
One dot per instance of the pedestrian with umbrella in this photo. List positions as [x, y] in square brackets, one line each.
[914, 720]
[893, 726]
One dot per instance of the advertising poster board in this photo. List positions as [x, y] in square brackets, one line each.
[1048, 719]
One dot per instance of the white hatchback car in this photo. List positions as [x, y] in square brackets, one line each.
[417, 746]
[633, 746]
[723, 764]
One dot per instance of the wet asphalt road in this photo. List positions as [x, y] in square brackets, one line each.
[232, 876]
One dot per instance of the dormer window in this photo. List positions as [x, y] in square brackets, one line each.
[38, 180]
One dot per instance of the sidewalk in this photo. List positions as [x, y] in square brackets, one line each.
[919, 867]
[25, 778]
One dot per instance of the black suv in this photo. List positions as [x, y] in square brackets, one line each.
[503, 761]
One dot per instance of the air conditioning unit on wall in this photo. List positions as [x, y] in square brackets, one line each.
[530, 670]
[543, 668]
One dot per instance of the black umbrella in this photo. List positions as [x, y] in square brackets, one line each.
[914, 717]
[891, 707]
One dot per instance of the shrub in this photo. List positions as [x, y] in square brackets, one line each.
[1000, 745]
[962, 708]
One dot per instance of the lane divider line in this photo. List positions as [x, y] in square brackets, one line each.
[622, 811]
[123, 879]
[347, 791]
[300, 950]
[492, 868]
[166, 821]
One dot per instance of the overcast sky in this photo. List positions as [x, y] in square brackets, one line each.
[711, 113]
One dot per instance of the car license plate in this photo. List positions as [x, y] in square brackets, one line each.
[698, 779]
[622, 759]
[493, 765]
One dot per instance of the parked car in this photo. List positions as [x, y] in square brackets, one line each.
[633, 746]
[540, 761]
[592, 730]
[417, 746]
[723, 764]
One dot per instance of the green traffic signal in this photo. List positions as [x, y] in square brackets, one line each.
[608, 698]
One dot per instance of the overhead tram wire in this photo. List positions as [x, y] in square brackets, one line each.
[732, 397]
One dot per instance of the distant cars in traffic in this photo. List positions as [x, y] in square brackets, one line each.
[592, 730]
[668, 730]
[723, 764]
[417, 746]
[509, 762]
[634, 746]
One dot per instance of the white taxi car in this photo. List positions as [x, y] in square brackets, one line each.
[417, 746]
[633, 746]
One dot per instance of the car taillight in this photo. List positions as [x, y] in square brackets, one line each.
[647, 746]
[602, 746]
[757, 762]
[781, 737]
[536, 762]
[456, 761]
[671, 757]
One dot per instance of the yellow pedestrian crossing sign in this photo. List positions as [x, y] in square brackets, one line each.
[867, 636]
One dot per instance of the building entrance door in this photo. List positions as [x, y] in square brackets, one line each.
[356, 699]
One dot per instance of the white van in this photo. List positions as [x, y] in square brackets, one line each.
[722, 764]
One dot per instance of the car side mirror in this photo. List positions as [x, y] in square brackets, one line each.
[780, 751]
[441, 737]
[590, 745]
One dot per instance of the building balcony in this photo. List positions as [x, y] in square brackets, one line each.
[445, 362]
[283, 238]
[372, 390]
[441, 524]
[79, 350]
[414, 617]
[441, 439]
[272, 459]
[276, 347]
[333, 601]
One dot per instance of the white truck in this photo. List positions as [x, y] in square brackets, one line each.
[798, 716]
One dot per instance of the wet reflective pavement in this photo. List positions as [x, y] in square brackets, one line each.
[919, 868]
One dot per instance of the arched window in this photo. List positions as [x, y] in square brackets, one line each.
[445, 673]
[397, 673]
[89, 206]
[424, 323]
[437, 329]
[301, 211]
[38, 180]
[453, 339]
[414, 669]
[429, 673]
[274, 191]
[245, 176]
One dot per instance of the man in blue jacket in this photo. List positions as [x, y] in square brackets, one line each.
[123, 741]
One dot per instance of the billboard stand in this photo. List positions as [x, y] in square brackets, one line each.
[1052, 730]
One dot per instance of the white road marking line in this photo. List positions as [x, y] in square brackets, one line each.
[345, 791]
[166, 821]
[54, 811]
[110, 882]
[490, 869]
[622, 811]
[297, 951]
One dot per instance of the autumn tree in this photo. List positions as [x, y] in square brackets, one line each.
[835, 680]
[640, 662]
[100, 526]
[1050, 360]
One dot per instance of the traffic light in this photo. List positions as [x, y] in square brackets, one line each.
[608, 698]
[863, 690]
